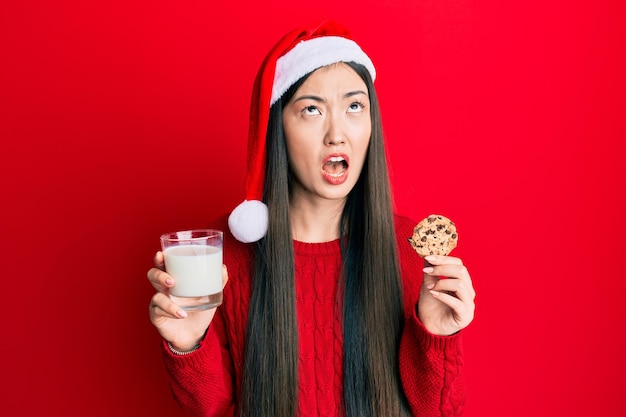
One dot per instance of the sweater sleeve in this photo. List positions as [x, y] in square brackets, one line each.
[431, 366]
[202, 381]
[431, 371]
[206, 381]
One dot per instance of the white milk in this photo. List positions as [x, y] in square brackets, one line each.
[197, 269]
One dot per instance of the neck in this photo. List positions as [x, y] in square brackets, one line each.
[315, 222]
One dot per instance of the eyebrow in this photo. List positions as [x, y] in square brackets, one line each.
[321, 100]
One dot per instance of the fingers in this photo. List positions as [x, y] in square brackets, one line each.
[160, 279]
[162, 282]
[157, 276]
[162, 307]
[455, 289]
[224, 276]
[455, 304]
[447, 266]
[462, 312]
[159, 260]
[457, 280]
[441, 260]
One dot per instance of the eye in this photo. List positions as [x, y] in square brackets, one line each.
[311, 110]
[356, 107]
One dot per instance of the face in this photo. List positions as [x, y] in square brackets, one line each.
[327, 127]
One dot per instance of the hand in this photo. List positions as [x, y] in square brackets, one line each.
[446, 303]
[182, 329]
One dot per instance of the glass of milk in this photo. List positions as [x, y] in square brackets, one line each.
[194, 259]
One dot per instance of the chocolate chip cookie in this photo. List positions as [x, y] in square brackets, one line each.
[434, 235]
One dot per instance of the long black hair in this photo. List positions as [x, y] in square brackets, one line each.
[371, 287]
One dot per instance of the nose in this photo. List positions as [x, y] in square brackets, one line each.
[335, 132]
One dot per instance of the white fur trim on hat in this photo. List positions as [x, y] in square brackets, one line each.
[248, 221]
[312, 54]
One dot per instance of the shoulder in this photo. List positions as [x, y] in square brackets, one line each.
[238, 258]
[410, 262]
[404, 230]
[404, 226]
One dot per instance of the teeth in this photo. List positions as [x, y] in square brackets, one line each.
[336, 159]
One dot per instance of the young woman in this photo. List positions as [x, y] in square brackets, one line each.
[328, 311]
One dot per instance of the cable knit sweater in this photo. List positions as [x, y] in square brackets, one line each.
[206, 381]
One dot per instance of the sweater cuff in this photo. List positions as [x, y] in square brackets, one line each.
[208, 347]
[429, 340]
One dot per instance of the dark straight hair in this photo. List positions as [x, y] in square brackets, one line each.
[371, 288]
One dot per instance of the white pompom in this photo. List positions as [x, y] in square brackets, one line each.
[248, 221]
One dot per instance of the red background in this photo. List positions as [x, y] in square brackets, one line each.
[122, 120]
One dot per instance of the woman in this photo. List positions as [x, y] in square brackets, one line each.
[330, 313]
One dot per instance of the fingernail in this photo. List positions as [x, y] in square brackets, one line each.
[430, 258]
[434, 293]
[169, 281]
[430, 286]
[182, 313]
[428, 269]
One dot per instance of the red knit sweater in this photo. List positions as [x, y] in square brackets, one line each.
[205, 381]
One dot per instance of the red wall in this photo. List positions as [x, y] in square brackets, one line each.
[122, 120]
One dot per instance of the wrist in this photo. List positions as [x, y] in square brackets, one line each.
[182, 351]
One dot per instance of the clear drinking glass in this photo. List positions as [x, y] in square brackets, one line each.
[194, 259]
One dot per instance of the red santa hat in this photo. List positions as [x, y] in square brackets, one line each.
[298, 53]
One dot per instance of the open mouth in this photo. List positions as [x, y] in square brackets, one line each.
[335, 166]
